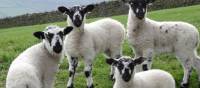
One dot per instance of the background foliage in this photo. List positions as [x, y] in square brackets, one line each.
[103, 9]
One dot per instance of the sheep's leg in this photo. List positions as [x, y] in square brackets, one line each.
[73, 62]
[88, 72]
[138, 53]
[187, 72]
[146, 65]
[187, 67]
[196, 65]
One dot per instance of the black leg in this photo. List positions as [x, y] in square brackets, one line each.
[73, 62]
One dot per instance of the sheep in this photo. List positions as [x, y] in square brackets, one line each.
[149, 37]
[88, 40]
[36, 66]
[126, 77]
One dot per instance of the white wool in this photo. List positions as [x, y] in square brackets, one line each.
[96, 37]
[149, 37]
[147, 79]
[36, 67]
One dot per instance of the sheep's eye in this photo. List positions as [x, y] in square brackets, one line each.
[120, 66]
[131, 65]
[50, 35]
[60, 34]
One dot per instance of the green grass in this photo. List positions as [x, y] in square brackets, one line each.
[14, 40]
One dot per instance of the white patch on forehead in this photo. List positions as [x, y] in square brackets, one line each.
[77, 13]
[126, 64]
[53, 29]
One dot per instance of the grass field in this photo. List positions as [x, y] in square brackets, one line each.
[14, 40]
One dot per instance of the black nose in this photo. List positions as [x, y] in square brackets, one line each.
[77, 21]
[57, 48]
[140, 15]
[126, 76]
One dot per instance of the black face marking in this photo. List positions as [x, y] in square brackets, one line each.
[144, 67]
[57, 48]
[61, 34]
[49, 37]
[125, 66]
[120, 66]
[87, 73]
[139, 7]
[77, 15]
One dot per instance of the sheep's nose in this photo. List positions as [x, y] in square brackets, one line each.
[77, 17]
[126, 71]
[77, 21]
[58, 47]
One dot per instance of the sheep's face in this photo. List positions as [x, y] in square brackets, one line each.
[53, 37]
[139, 7]
[125, 66]
[76, 14]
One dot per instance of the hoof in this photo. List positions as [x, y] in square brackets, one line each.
[184, 85]
[92, 86]
[72, 86]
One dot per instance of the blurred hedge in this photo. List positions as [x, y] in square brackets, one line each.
[103, 9]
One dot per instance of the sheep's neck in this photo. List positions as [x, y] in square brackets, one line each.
[134, 24]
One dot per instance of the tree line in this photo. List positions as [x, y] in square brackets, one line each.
[103, 9]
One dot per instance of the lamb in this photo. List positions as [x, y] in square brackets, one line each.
[149, 37]
[127, 78]
[88, 40]
[36, 67]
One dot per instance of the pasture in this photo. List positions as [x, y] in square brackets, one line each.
[14, 40]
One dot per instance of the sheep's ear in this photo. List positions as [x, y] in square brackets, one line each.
[89, 8]
[64, 10]
[39, 35]
[111, 61]
[67, 30]
[139, 60]
[150, 1]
